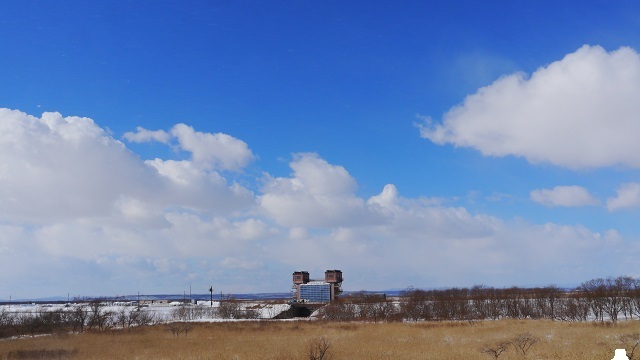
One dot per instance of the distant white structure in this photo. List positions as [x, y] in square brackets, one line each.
[620, 354]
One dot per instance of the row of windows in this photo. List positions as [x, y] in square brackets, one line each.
[315, 293]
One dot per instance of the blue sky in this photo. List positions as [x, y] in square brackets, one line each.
[152, 146]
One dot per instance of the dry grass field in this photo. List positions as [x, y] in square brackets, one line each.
[284, 340]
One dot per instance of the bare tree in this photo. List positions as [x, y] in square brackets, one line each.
[79, 317]
[339, 310]
[122, 318]
[595, 293]
[416, 305]
[98, 317]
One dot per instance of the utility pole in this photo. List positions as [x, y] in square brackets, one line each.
[211, 293]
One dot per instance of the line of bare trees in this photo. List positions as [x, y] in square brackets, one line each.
[97, 316]
[75, 318]
[599, 299]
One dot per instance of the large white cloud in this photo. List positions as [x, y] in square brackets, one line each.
[56, 167]
[78, 206]
[563, 196]
[579, 112]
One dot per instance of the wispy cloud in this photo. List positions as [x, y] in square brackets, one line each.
[567, 196]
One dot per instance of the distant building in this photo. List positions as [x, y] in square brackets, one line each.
[317, 291]
[154, 302]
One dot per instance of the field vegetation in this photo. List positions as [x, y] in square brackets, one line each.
[282, 340]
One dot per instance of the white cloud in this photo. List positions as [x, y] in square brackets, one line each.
[241, 263]
[143, 135]
[563, 196]
[209, 151]
[627, 197]
[317, 195]
[424, 245]
[81, 213]
[579, 112]
[388, 198]
[218, 150]
[55, 168]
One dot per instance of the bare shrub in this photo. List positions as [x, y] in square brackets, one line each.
[319, 349]
[229, 309]
[7, 321]
[631, 342]
[234, 309]
[186, 313]
[179, 328]
[142, 317]
[496, 350]
[523, 342]
[181, 313]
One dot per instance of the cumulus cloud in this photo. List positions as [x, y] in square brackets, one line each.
[55, 168]
[418, 243]
[72, 194]
[567, 196]
[421, 237]
[210, 151]
[627, 197]
[579, 112]
[317, 194]
[388, 198]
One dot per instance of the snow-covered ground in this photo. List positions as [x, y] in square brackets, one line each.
[166, 312]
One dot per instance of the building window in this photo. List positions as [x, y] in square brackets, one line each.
[315, 292]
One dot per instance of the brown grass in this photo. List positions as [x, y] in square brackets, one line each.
[291, 340]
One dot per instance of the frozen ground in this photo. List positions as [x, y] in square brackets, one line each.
[175, 311]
